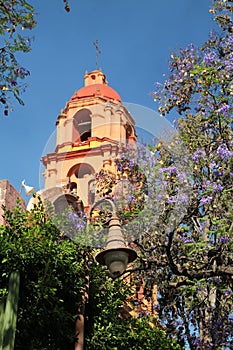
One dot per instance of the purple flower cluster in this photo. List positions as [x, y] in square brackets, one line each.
[22, 72]
[217, 187]
[206, 200]
[186, 240]
[181, 198]
[224, 110]
[177, 323]
[223, 152]
[124, 163]
[213, 165]
[78, 222]
[131, 198]
[216, 280]
[210, 58]
[206, 185]
[224, 239]
[228, 292]
[172, 170]
[142, 314]
[228, 63]
[199, 153]
[197, 342]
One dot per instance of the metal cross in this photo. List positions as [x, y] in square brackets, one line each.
[97, 52]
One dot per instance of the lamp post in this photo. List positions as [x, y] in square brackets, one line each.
[116, 256]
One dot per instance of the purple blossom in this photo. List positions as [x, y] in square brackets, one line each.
[119, 166]
[224, 110]
[22, 72]
[224, 239]
[171, 200]
[13, 82]
[182, 198]
[77, 221]
[206, 200]
[223, 151]
[142, 314]
[182, 176]
[197, 341]
[215, 279]
[217, 188]
[210, 58]
[186, 240]
[218, 173]
[206, 184]
[177, 323]
[227, 292]
[213, 165]
[131, 198]
[199, 153]
[172, 170]
[203, 127]
[229, 62]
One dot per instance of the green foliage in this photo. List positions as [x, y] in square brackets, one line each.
[110, 325]
[133, 334]
[52, 277]
[55, 275]
[9, 313]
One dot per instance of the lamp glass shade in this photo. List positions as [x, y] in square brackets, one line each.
[116, 261]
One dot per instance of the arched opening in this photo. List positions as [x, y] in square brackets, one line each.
[81, 174]
[82, 124]
[63, 202]
[81, 171]
[129, 133]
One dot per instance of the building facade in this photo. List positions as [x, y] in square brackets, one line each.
[9, 198]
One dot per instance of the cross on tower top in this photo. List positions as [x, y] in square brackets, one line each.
[97, 52]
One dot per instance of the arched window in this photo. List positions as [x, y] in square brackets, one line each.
[63, 202]
[129, 132]
[82, 123]
[81, 171]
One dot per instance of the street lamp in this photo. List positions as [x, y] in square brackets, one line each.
[116, 256]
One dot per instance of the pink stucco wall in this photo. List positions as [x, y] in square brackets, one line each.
[8, 198]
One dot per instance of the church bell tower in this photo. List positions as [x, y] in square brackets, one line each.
[91, 130]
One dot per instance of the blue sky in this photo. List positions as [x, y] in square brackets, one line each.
[136, 39]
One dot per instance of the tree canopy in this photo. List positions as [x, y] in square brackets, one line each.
[17, 18]
[186, 240]
[184, 212]
[56, 275]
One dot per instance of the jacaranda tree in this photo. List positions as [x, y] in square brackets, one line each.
[183, 227]
[185, 231]
[17, 17]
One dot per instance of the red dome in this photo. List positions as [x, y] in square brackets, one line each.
[102, 90]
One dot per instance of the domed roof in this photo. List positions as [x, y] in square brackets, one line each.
[94, 90]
